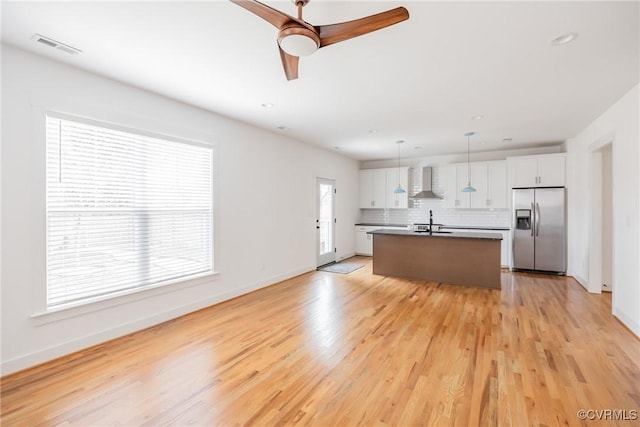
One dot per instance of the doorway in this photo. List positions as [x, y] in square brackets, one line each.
[607, 219]
[325, 221]
[601, 219]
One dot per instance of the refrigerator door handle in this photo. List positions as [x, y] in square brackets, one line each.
[537, 219]
[533, 212]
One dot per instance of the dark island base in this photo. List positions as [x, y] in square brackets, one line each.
[470, 262]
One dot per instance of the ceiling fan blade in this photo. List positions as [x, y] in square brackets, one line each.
[334, 33]
[290, 64]
[269, 14]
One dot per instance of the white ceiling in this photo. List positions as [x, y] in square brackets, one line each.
[421, 81]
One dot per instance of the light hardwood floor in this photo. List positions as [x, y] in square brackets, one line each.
[341, 350]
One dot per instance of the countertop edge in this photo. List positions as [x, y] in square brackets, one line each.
[474, 227]
[472, 235]
[450, 227]
[374, 224]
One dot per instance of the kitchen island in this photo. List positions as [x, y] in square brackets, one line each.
[470, 259]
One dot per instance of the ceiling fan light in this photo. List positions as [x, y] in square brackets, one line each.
[298, 41]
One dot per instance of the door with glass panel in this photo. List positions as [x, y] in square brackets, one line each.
[325, 221]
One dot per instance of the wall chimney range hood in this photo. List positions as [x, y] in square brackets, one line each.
[426, 192]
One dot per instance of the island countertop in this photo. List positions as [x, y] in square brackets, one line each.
[475, 227]
[447, 235]
[380, 224]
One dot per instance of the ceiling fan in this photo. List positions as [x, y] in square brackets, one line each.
[298, 38]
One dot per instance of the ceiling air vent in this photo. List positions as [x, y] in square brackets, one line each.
[56, 45]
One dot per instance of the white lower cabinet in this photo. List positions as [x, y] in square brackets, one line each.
[364, 241]
[505, 249]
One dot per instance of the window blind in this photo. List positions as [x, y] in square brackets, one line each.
[124, 211]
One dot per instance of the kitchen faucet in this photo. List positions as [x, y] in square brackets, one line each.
[430, 222]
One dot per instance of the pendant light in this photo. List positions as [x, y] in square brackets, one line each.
[468, 188]
[399, 190]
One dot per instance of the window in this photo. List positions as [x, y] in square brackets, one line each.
[125, 211]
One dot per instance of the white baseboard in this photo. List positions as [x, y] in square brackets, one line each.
[584, 283]
[51, 353]
[345, 256]
[628, 322]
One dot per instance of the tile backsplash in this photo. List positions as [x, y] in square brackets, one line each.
[418, 211]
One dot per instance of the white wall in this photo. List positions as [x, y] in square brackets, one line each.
[265, 206]
[619, 125]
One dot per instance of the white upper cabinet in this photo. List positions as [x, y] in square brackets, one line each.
[551, 171]
[525, 172]
[488, 178]
[455, 178]
[373, 188]
[537, 171]
[377, 188]
[462, 179]
[397, 176]
[497, 188]
[450, 186]
[366, 188]
[479, 181]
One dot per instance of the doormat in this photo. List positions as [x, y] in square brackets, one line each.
[341, 267]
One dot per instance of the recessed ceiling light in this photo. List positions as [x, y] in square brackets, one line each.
[507, 140]
[283, 128]
[563, 39]
[417, 148]
[267, 105]
[335, 147]
[373, 130]
[478, 117]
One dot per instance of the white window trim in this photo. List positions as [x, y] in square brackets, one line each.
[66, 312]
[131, 122]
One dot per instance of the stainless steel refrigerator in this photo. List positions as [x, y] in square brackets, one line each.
[539, 229]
